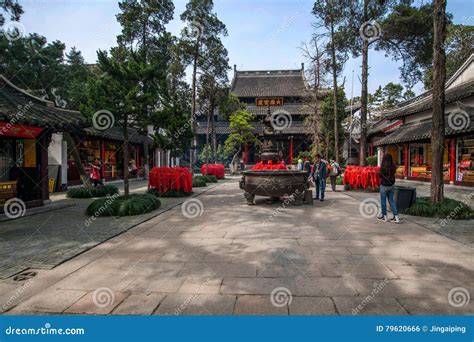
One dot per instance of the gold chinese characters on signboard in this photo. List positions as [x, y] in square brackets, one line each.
[265, 102]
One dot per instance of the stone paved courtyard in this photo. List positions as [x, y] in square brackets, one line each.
[325, 259]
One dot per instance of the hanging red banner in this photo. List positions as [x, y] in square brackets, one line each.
[8, 129]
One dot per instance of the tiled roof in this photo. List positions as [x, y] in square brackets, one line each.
[456, 122]
[269, 83]
[296, 127]
[20, 107]
[425, 102]
[116, 133]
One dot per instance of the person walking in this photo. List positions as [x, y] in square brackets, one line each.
[387, 184]
[319, 174]
[334, 173]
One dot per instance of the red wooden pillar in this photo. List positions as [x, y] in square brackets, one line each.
[246, 153]
[137, 154]
[452, 161]
[291, 150]
[407, 159]
[102, 157]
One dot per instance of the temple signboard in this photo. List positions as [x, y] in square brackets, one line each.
[268, 101]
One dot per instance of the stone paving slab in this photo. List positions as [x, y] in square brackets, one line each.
[227, 260]
[47, 239]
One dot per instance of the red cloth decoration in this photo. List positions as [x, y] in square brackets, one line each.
[362, 177]
[170, 178]
[269, 166]
[214, 170]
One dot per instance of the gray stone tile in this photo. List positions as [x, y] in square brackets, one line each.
[196, 304]
[259, 306]
[139, 303]
[99, 302]
[50, 300]
[312, 306]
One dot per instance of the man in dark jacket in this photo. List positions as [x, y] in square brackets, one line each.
[319, 176]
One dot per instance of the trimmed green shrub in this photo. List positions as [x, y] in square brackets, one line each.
[169, 193]
[198, 182]
[371, 161]
[448, 208]
[100, 191]
[210, 179]
[339, 180]
[120, 206]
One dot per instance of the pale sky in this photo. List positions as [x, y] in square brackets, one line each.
[263, 34]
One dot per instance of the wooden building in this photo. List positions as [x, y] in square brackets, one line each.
[284, 94]
[405, 132]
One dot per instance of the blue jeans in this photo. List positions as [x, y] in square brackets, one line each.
[384, 192]
[320, 187]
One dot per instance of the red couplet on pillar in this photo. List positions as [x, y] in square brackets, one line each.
[452, 161]
[406, 160]
[291, 150]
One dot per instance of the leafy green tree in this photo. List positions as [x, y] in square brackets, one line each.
[459, 46]
[326, 148]
[12, 9]
[388, 96]
[77, 76]
[201, 46]
[242, 132]
[119, 92]
[330, 16]
[144, 33]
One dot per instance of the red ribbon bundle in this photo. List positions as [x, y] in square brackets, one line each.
[164, 179]
[270, 166]
[362, 177]
[214, 170]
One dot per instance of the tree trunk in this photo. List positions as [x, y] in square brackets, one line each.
[77, 160]
[207, 147]
[214, 138]
[363, 103]
[126, 189]
[193, 108]
[334, 82]
[439, 78]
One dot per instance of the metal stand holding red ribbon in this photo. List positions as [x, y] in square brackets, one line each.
[362, 177]
[164, 179]
[214, 170]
